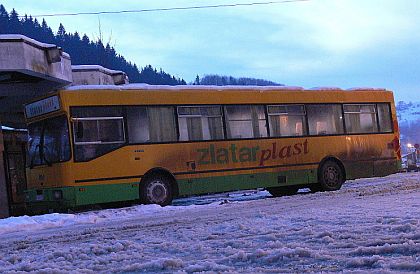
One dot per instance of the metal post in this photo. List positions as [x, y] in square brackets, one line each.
[4, 201]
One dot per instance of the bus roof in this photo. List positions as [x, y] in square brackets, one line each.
[143, 94]
[210, 88]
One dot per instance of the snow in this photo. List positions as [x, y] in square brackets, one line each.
[95, 67]
[370, 225]
[26, 39]
[408, 112]
[179, 87]
[218, 88]
[325, 88]
[13, 129]
[366, 89]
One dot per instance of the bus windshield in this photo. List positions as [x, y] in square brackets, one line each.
[48, 142]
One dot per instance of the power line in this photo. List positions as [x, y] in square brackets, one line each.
[170, 9]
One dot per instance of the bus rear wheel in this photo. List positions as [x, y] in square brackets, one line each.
[156, 190]
[331, 176]
[283, 190]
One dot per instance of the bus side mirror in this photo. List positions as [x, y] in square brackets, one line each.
[79, 130]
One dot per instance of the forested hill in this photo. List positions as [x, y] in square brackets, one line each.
[219, 80]
[83, 50]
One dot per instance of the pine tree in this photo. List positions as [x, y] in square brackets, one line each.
[47, 33]
[4, 20]
[61, 35]
[15, 26]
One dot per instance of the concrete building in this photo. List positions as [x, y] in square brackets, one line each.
[97, 75]
[30, 69]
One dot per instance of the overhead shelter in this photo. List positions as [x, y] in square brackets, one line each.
[28, 69]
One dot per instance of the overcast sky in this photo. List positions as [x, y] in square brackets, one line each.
[343, 43]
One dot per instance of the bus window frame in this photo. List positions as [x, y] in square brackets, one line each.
[178, 115]
[225, 123]
[74, 124]
[378, 131]
[389, 114]
[305, 127]
[69, 137]
[342, 121]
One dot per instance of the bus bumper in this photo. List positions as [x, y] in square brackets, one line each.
[71, 197]
[49, 200]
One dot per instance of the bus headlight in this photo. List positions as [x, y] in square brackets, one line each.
[58, 194]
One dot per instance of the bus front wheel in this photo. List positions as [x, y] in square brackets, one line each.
[156, 190]
[331, 176]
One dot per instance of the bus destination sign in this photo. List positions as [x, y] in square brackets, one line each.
[43, 106]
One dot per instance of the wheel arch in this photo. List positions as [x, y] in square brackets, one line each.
[334, 159]
[162, 171]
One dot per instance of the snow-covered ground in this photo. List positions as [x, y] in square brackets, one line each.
[408, 112]
[369, 225]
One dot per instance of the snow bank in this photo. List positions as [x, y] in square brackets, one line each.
[370, 225]
[57, 220]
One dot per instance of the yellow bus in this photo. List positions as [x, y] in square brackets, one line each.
[150, 144]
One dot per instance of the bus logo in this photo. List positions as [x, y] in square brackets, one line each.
[234, 154]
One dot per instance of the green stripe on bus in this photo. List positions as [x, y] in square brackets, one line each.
[83, 195]
[108, 193]
[215, 184]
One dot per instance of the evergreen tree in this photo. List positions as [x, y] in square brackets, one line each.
[4, 20]
[15, 26]
[61, 34]
[231, 81]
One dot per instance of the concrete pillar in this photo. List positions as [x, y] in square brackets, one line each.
[4, 201]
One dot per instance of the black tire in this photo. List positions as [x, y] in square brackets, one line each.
[331, 176]
[283, 190]
[156, 190]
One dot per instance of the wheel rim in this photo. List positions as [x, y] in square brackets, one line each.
[331, 176]
[157, 192]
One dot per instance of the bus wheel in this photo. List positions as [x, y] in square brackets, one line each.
[331, 176]
[156, 190]
[283, 190]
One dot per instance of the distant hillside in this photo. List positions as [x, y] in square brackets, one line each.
[409, 121]
[83, 50]
[220, 80]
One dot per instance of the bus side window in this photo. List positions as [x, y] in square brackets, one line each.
[137, 125]
[325, 119]
[384, 115]
[97, 131]
[162, 125]
[200, 123]
[245, 121]
[360, 118]
[286, 120]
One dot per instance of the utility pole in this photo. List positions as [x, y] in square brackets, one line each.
[4, 201]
